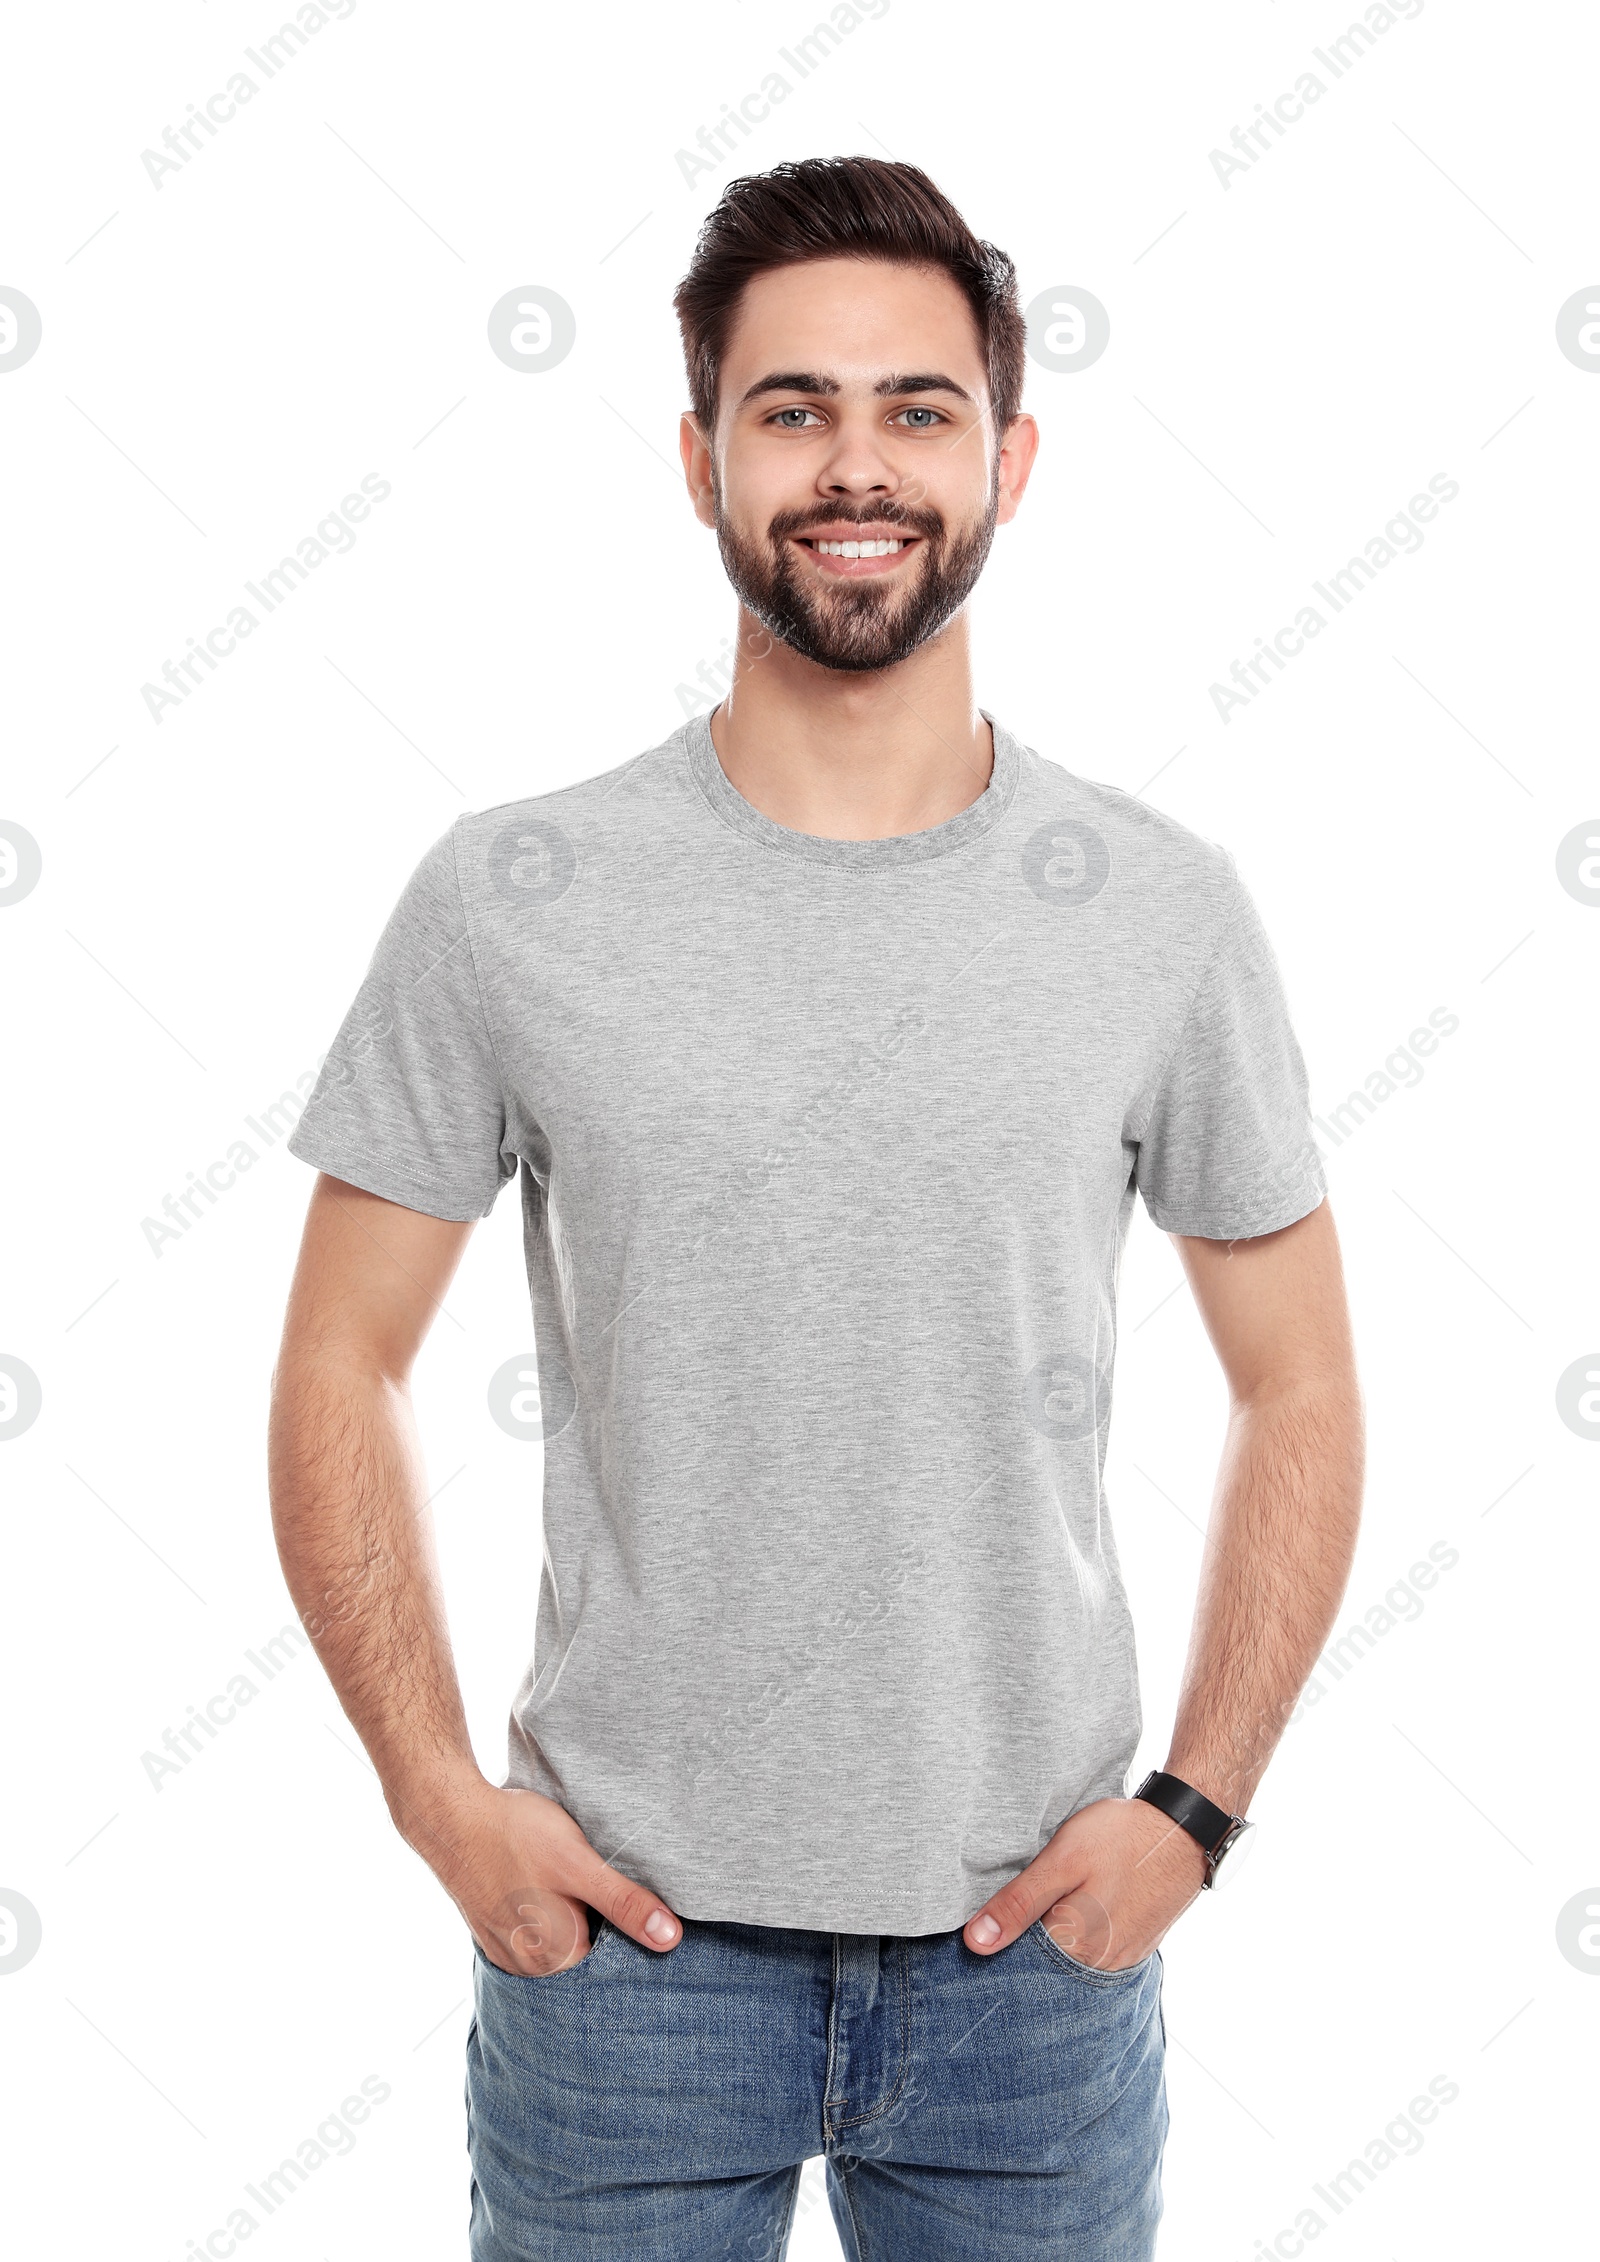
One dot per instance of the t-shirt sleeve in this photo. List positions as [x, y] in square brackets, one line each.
[1227, 1151]
[409, 1102]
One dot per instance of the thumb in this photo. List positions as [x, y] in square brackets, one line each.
[1042, 1886]
[644, 1916]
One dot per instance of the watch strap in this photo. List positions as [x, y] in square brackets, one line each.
[1206, 1822]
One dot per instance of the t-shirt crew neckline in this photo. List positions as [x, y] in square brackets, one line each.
[968, 825]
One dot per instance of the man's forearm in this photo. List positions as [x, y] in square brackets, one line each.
[355, 1538]
[1278, 1551]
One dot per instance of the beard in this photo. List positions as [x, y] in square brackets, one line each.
[857, 626]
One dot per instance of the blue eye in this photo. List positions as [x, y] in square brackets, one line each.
[932, 415]
[783, 415]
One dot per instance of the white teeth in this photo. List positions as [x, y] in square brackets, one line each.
[859, 549]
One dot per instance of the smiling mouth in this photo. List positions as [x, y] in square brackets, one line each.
[864, 552]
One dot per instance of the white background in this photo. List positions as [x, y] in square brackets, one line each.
[1292, 356]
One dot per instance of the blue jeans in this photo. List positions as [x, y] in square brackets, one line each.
[640, 2107]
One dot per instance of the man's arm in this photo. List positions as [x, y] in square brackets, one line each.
[1278, 1550]
[355, 1535]
[1287, 1503]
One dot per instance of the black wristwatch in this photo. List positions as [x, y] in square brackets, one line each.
[1214, 1830]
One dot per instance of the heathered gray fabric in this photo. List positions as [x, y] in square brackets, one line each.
[828, 1151]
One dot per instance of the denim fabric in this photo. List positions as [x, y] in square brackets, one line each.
[658, 2108]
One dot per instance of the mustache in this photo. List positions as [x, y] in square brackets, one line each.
[892, 518]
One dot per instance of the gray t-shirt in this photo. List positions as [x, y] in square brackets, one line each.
[828, 1150]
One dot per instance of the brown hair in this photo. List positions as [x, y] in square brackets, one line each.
[842, 208]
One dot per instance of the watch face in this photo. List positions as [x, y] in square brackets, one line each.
[1235, 1852]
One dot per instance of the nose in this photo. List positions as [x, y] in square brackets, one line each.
[857, 467]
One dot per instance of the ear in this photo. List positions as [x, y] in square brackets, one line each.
[698, 468]
[1018, 451]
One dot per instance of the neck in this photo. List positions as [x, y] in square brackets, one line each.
[854, 757]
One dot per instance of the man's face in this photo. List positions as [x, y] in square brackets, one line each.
[854, 411]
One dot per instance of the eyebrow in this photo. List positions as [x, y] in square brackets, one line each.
[827, 388]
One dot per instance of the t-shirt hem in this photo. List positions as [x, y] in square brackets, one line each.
[887, 1917]
[391, 1181]
[1218, 1228]
[846, 1906]
[852, 1900]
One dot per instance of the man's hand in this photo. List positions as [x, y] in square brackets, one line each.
[520, 1871]
[1109, 1884]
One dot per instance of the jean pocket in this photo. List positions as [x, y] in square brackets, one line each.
[1127, 1975]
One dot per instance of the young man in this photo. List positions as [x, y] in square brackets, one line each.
[832, 1038]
